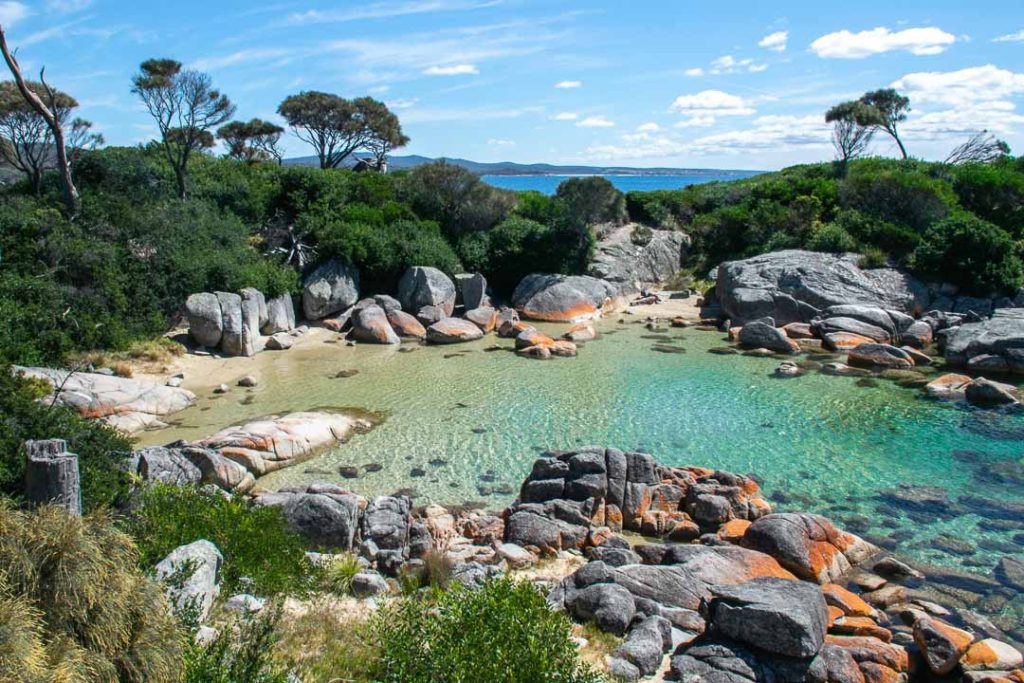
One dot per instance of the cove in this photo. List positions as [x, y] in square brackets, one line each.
[464, 424]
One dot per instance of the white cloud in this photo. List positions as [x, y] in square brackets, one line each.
[695, 71]
[452, 70]
[239, 58]
[66, 6]
[568, 84]
[703, 121]
[565, 116]
[728, 64]
[403, 103]
[12, 12]
[595, 122]
[961, 87]
[1010, 37]
[382, 10]
[712, 103]
[847, 45]
[497, 142]
[648, 127]
[776, 42]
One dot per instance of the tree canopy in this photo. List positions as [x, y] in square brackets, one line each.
[252, 141]
[185, 106]
[337, 127]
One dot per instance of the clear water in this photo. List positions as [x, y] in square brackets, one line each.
[462, 422]
[626, 183]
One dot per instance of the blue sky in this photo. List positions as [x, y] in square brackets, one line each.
[725, 84]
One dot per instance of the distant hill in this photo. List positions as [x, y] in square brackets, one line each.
[510, 168]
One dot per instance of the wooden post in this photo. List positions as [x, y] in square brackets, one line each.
[51, 475]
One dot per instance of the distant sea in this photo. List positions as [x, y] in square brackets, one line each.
[627, 183]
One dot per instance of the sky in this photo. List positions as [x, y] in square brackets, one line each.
[728, 84]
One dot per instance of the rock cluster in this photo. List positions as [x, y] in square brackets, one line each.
[236, 324]
[129, 405]
[620, 260]
[994, 344]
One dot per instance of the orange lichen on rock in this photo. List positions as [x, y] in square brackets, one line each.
[860, 626]
[733, 530]
[851, 603]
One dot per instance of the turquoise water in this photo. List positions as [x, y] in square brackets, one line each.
[626, 183]
[465, 424]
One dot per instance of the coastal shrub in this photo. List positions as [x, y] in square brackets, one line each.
[831, 237]
[255, 541]
[537, 206]
[337, 574]
[641, 235]
[503, 632]
[897, 193]
[75, 607]
[591, 200]
[99, 448]
[976, 255]
[242, 652]
[994, 192]
[455, 198]
[325, 643]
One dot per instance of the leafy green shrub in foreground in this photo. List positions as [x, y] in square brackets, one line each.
[974, 254]
[99, 447]
[241, 653]
[500, 633]
[74, 606]
[255, 541]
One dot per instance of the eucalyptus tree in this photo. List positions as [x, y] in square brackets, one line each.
[185, 106]
[252, 141]
[850, 136]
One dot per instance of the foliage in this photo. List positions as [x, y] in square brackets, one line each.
[88, 613]
[99, 448]
[336, 127]
[994, 192]
[502, 632]
[850, 136]
[327, 644]
[242, 652]
[251, 141]
[455, 198]
[185, 106]
[972, 253]
[336, 576]
[980, 148]
[255, 541]
[591, 200]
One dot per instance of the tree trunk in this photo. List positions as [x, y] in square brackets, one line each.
[71, 197]
[182, 180]
[899, 143]
[51, 475]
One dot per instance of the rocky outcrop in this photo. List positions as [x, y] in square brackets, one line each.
[562, 298]
[764, 335]
[795, 286]
[331, 288]
[999, 338]
[406, 325]
[280, 315]
[205, 321]
[279, 441]
[485, 317]
[370, 324]
[425, 286]
[629, 265]
[129, 405]
[235, 323]
[183, 464]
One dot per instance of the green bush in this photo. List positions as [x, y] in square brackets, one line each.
[255, 541]
[994, 192]
[591, 200]
[84, 611]
[455, 198]
[503, 632]
[241, 653]
[831, 237]
[979, 257]
[897, 192]
[99, 448]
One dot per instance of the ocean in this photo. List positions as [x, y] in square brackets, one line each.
[627, 183]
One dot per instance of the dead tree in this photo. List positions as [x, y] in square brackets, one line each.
[51, 475]
[49, 113]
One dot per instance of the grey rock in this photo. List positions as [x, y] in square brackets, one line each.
[794, 285]
[370, 324]
[243, 603]
[252, 300]
[761, 335]
[368, 584]
[710, 661]
[609, 606]
[784, 617]
[165, 465]
[471, 290]
[628, 266]
[425, 286]
[388, 303]
[870, 315]
[280, 342]
[205, 323]
[1001, 335]
[190, 574]
[970, 304]
[1010, 572]
[985, 392]
[231, 341]
[327, 520]
[386, 524]
[645, 643]
[453, 331]
[280, 315]
[852, 326]
[474, 574]
[331, 288]
[561, 298]
[428, 315]
[919, 334]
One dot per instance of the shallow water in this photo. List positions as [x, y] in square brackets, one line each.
[465, 424]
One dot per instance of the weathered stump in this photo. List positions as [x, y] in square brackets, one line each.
[51, 475]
